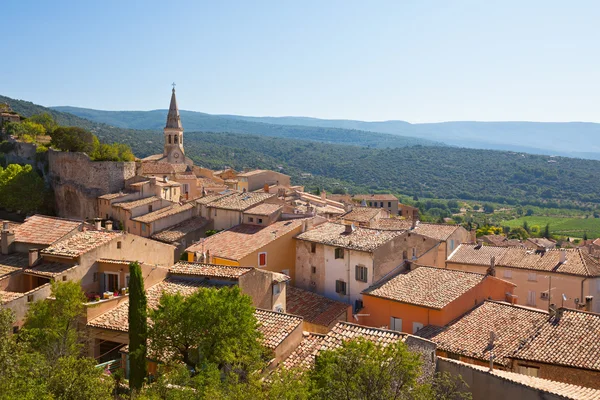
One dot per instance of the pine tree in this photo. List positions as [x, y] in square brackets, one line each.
[585, 236]
[547, 231]
[526, 226]
[138, 327]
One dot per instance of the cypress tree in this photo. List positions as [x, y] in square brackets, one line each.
[138, 328]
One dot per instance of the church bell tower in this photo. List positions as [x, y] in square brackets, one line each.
[173, 149]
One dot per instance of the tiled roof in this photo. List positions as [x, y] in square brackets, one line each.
[254, 172]
[469, 335]
[435, 231]
[563, 390]
[362, 239]
[427, 287]
[240, 201]
[6, 296]
[208, 270]
[264, 209]
[81, 243]
[344, 331]
[361, 214]
[118, 319]
[573, 340]
[49, 269]
[241, 240]
[44, 230]
[128, 205]
[275, 326]
[177, 232]
[13, 262]
[152, 167]
[112, 196]
[303, 356]
[577, 261]
[163, 213]
[212, 197]
[496, 240]
[113, 261]
[378, 197]
[393, 224]
[313, 307]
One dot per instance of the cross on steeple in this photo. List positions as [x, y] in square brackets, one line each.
[173, 84]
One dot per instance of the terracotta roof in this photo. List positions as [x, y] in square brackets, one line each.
[254, 172]
[128, 205]
[113, 261]
[427, 287]
[378, 197]
[112, 196]
[313, 307]
[275, 326]
[469, 335]
[6, 296]
[13, 262]
[344, 331]
[577, 261]
[117, 319]
[543, 242]
[264, 209]
[362, 239]
[563, 390]
[361, 214]
[163, 213]
[496, 240]
[153, 167]
[49, 269]
[81, 243]
[177, 232]
[393, 224]
[303, 356]
[44, 230]
[212, 197]
[240, 201]
[436, 231]
[572, 340]
[241, 240]
[208, 270]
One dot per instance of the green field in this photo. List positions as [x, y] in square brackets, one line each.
[574, 227]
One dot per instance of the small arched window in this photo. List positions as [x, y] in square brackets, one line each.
[176, 139]
[169, 139]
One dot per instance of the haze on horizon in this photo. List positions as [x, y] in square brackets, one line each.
[418, 61]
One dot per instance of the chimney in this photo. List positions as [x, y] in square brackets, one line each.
[323, 195]
[588, 303]
[563, 256]
[473, 235]
[7, 238]
[266, 188]
[153, 181]
[109, 225]
[349, 228]
[34, 256]
[415, 214]
[208, 260]
[491, 271]
[98, 223]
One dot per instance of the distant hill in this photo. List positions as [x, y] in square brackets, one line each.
[571, 139]
[196, 121]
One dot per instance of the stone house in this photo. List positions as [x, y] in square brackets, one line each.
[341, 261]
[37, 232]
[263, 214]
[184, 233]
[365, 217]
[428, 296]
[388, 202]
[319, 313]
[124, 212]
[258, 178]
[148, 224]
[227, 210]
[566, 277]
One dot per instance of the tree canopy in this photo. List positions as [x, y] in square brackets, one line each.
[22, 189]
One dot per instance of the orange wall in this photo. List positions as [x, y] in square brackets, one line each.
[380, 310]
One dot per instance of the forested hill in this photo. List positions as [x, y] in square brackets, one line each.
[194, 121]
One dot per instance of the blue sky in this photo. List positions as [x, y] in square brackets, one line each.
[419, 61]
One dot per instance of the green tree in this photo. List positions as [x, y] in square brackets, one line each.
[526, 226]
[212, 326]
[51, 326]
[17, 184]
[585, 235]
[138, 327]
[46, 121]
[546, 233]
[74, 139]
[77, 378]
[518, 233]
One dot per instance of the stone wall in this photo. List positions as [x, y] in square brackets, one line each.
[77, 182]
[22, 153]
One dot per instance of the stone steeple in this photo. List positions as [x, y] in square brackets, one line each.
[173, 119]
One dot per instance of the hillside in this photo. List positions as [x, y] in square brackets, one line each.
[194, 121]
[424, 171]
[550, 138]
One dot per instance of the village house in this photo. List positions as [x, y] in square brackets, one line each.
[263, 214]
[269, 247]
[148, 224]
[365, 217]
[226, 210]
[341, 261]
[566, 277]
[124, 212]
[184, 233]
[499, 241]
[540, 243]
[320, 314]
[258, 178]
[388, 202]
[428, 296]
[37, 232]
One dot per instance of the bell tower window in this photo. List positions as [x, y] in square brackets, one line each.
[176, 138]
[169, 139]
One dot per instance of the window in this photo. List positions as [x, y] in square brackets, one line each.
[29, 298]
[531, 298]
[150, 208]
[126, 280]
[361, 273]
[396, 324]
[416, 327]
[262, 259]
[532, 276]
[143, 227]
[111, 282]
[389, 203]
[313, 269]
[118, 245]
[313, 249]
[169, 139]
[529, 371]
[507, 273]
[370, 204]
[340, 287]
[451, 244]
[276, 289]
[339, 253]
[381, 204]
[64, 278]
[260, 220]
[250, 219]
[414, 252]
[176, 138]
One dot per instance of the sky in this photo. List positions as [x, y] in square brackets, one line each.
[418, 61]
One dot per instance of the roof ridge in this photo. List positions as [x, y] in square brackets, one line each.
[519, 306]
[53, 217]
[448, 270]
[373, 328]
[279, 312]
